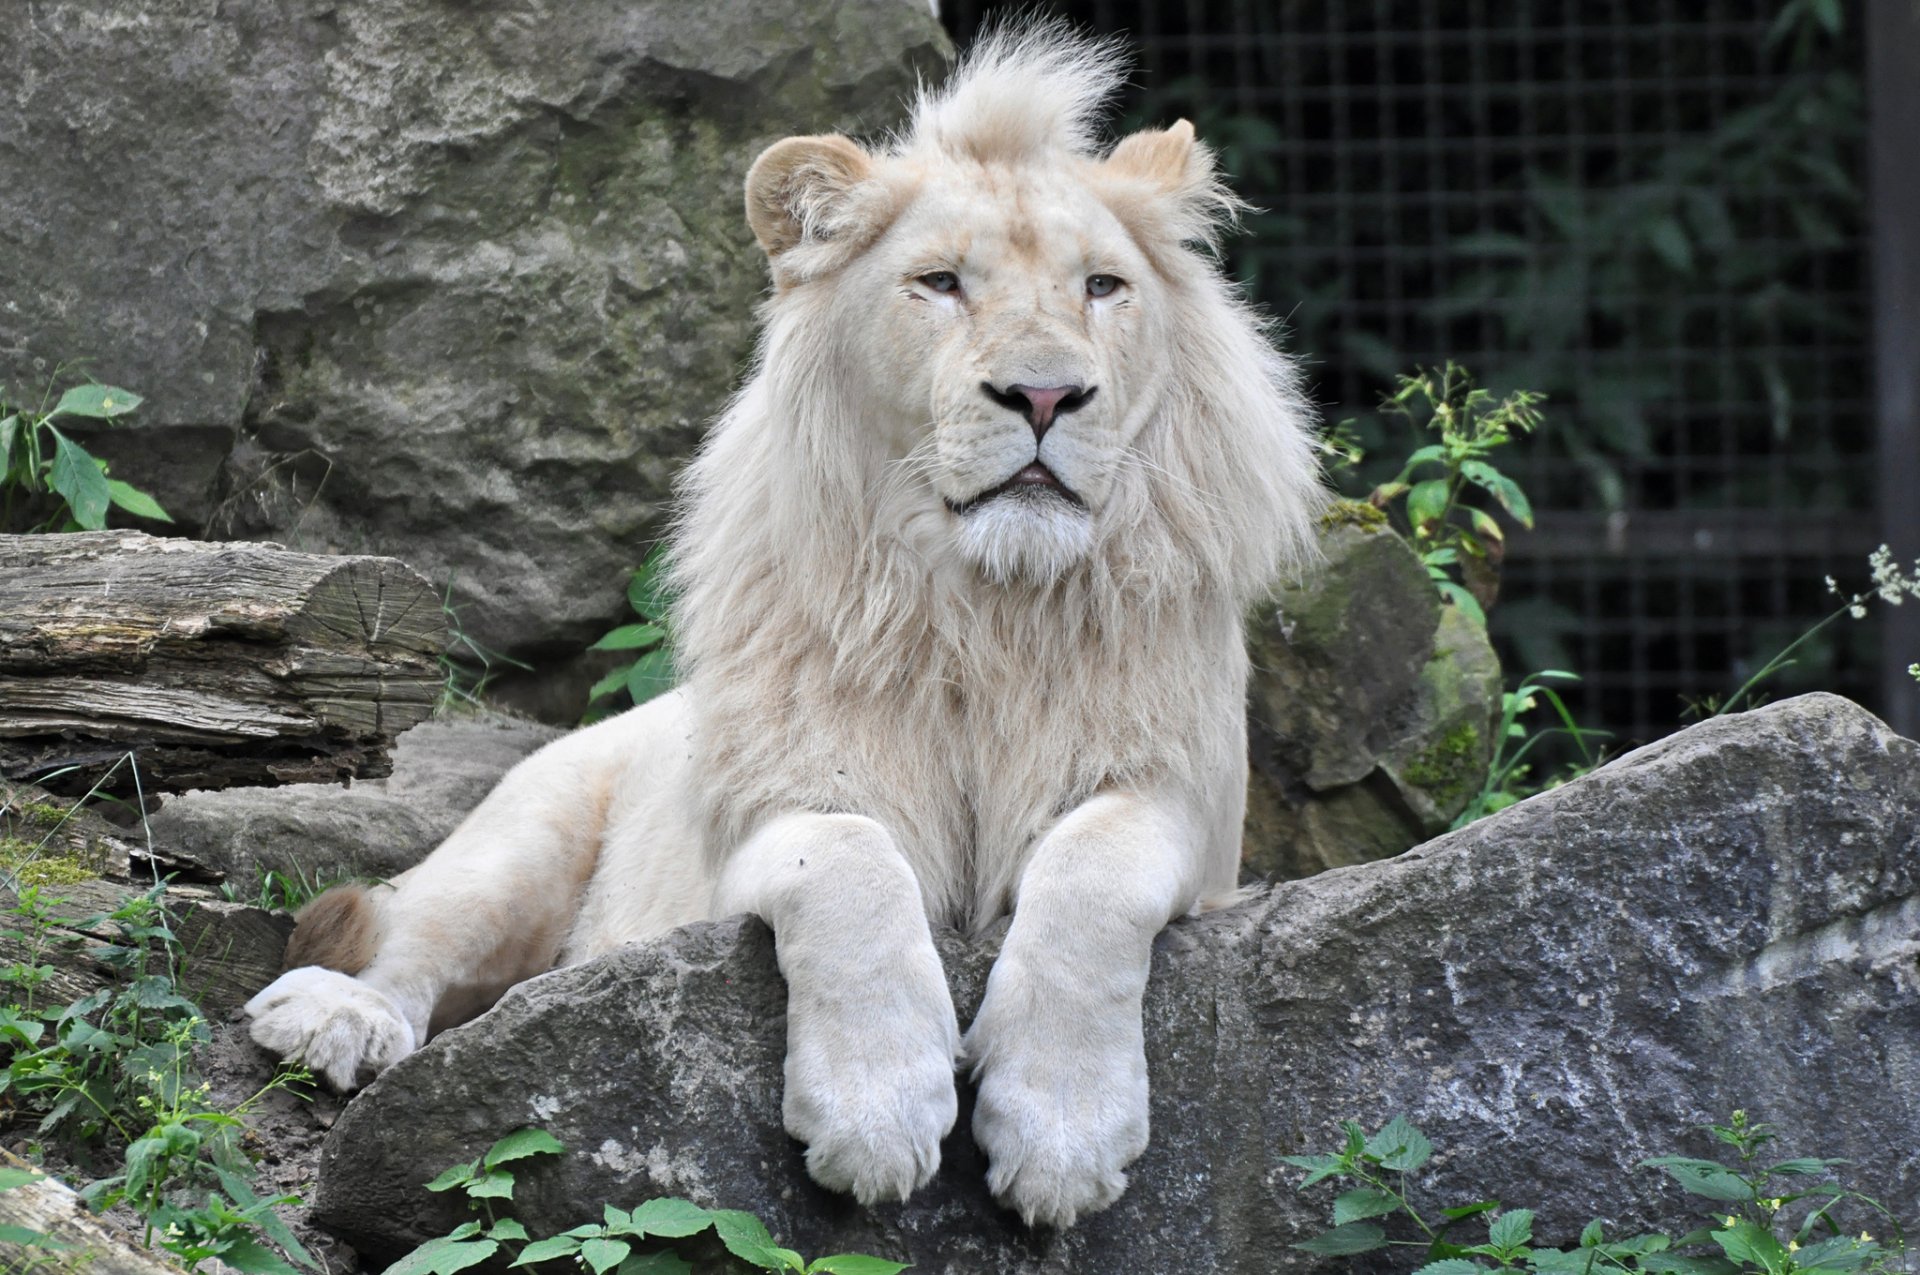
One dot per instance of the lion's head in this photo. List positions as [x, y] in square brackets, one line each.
[1032, 348]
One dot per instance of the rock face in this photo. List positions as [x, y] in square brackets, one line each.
[1728, 918]
[378, 828]
[400, 276]
[1371, 710]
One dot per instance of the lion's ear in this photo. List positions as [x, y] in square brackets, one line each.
[1177, 173]
[807, 188]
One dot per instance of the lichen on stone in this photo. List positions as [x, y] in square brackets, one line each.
[1353, 513]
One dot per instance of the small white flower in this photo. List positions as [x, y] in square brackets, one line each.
[1833, 586]
[1857, 611]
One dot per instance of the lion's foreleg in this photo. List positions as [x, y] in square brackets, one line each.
[1057, 1047]
[871, 1034]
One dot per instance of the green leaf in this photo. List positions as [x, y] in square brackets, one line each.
[457, 1175]
[548, 1249]
[1502, 488]
[647, 590]
[670, 1218]
[9, 430]
[136, 502]
[1319, 1167]
[444, 1257]
[655, 1264]
[1361, 1203]
[1451, 1266]
[494, 1184]
[1703, 1178]
[248, 1255]
[1592, 1234]
[1344, 1241]
[604, 1255]
[1805, 1168]
[746, 1237]
[99, 402]
[1463, 598]
[465, 1231]
[11, 1177]
[610, 683]
[1426, 502]
[855, 1264]
[240, 1191]
[1400, 1146]
[1458, 1212]
[1668, 239]
[76, 476]
[27, 1235]
[630, 637]
[1746, 1242]
[652, 674]
[1511, 1230]
[520, 1144]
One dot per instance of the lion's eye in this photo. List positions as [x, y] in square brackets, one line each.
[942, 281]
[1102, 285]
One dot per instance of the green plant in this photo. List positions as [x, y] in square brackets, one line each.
[113, 1070]
[1767, 1219]
[1890, 585]
[1505, 781]
[1450, 533]
[288, 891]
[607, 1245]
[41, 465]
[467, 666]
[651, 671]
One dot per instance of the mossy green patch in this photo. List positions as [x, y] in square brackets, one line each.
[29, 864]
[1448, 766]
[1353, 513]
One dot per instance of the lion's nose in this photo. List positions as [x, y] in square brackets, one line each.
[1040, 404]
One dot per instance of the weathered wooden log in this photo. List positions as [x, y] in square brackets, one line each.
[68, 1236]
[212, 664]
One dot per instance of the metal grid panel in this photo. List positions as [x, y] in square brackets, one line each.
[1708, 460]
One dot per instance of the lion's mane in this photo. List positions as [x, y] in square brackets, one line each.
[844, 658]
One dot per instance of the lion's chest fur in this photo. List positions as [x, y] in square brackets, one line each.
[969, 744]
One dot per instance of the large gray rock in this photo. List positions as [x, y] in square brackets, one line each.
[414, 277]
[442, 769]
[1371, 711]
[1728, 918]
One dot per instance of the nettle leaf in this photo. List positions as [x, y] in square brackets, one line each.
[630, 637]
[98, 402]
[1400, 1146]
[670, 1218]
[747, 1238]
[1703, 1178]
[656, 1264]
[1805, 1168]
[1511, 1230]
[494, 1184]
[251, 1257]
[647, 590]
[444, 1257]
[27, 1235]
[1460, 1211]
[11, 1177]
[1451, 1266]
[855, 1264]
[136, 502]
[76, 476]
[546, 1250]
[1362, 1203]
[604, 1255]
[520, 1144]
[458, 1174]
[1746, 1242]
[1344, 1241]
[1319, 1167]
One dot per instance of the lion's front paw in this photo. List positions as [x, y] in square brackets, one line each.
[1058, 1119]
[872, 1108]
[334, 1025]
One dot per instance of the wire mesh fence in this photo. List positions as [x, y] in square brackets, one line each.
[1651, 210]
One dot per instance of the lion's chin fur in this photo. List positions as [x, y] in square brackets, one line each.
[1032, 537]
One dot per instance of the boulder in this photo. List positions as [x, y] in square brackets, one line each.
[1371, 709]
[399, 277]
[1729, 918]
[442, 769]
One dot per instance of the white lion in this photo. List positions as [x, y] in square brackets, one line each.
[962, 572]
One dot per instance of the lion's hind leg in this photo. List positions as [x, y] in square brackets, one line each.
[378, 969]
